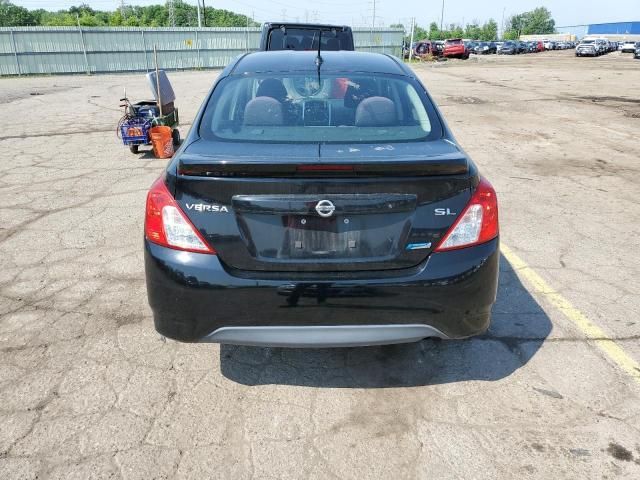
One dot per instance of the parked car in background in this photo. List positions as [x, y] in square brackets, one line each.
[455, 48]
[471, 46]
[438, 47]
[521, 47]
[353, 217]
[485, 48]
[498, 45]
[628, 47]
[423, 48]
[508, 48]
[636, 54]
[601, 46]
[587, 48]
[549, 45]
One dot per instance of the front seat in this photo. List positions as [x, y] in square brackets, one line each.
[376, 112]
[264, 112]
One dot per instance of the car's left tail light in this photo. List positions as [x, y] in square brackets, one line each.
[478, 222]
[166, 224]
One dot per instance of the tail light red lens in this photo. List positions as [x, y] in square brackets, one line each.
[166, 224]
[478, 222]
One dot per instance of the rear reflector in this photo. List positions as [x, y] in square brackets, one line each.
[166, 224]
[478, 223]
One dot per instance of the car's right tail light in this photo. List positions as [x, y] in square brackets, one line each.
[166, 224]
[478, 222]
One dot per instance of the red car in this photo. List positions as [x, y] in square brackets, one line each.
[455, 48]
[539, 47]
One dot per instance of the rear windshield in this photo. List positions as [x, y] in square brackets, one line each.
[337, 109]
[454, 42]
[307, 39]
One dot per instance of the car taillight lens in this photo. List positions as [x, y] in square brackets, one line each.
[478, 222]
[166, 224]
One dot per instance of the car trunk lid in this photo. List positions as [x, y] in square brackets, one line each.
[322, 208]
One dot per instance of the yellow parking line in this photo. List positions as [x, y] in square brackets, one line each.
[614, 351]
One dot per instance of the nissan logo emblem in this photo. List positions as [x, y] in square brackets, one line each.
[325, 208]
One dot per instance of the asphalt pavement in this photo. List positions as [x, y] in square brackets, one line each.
[88, 389]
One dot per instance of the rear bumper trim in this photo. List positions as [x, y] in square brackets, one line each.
[322, 336]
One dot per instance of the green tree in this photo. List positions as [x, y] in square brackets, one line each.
[434, 31]
[473, 31]
[537, 21]
[147, 16]
[14, 16]
[489, 30]
[400, 25]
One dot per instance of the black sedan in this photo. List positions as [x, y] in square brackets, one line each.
[320, 201]
[509, 48]
[485, 48]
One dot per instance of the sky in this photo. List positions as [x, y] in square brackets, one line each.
[360, 12]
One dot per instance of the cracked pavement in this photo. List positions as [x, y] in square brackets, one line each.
[89, 390]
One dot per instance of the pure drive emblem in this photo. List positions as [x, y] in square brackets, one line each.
[325, 208]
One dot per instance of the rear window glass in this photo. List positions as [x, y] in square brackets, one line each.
[335, 109]
[453, 42]
[307, 39]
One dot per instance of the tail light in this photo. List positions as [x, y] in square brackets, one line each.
[166, 224]
[478, 222]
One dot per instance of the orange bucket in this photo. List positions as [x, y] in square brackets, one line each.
[162, 141]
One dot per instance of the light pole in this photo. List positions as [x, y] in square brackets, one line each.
[442, 16]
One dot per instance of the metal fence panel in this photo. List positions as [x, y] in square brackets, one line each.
[46, 50]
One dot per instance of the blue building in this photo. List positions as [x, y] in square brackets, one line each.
[618, 28]
[613, 31]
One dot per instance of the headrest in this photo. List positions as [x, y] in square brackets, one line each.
[272, 87]
[263, 111]
[376, 112]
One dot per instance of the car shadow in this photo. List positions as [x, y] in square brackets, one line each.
[518, 329]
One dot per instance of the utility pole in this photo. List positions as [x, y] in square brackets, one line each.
[373, 25]
[503, 10]
[413, 26]
[122, 8]
[204, 15]
[172, 13]
[442, 16]
[199, 16]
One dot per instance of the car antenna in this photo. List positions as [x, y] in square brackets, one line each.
[319, 57]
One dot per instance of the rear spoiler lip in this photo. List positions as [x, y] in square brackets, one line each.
[200, 166]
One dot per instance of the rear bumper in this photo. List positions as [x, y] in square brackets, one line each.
[194, 298]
